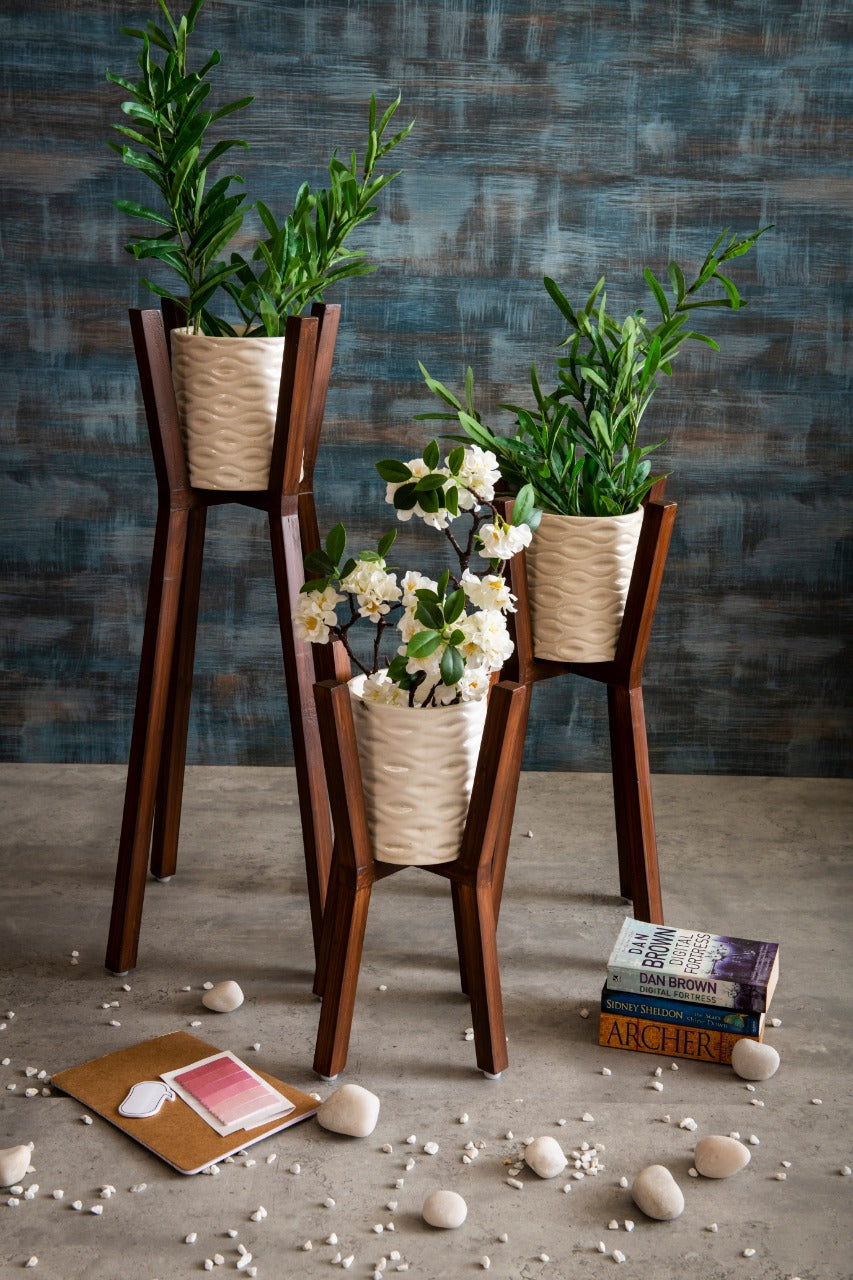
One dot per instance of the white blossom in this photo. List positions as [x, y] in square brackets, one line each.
[478, 476]
[315, 614]
[501, 540]
[487, 638]
[489, 592]
[373, 587]
[419, 469]
[411, 582]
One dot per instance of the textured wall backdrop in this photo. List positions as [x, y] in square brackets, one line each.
[565, 137]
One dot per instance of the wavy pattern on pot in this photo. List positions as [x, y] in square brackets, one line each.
[417, 769]
[579, 570]
[227, 394]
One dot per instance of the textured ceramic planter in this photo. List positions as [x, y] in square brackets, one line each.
[579, 570]
[418, 770]
[227, 395]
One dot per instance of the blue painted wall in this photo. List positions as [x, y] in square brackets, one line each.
[553, 136]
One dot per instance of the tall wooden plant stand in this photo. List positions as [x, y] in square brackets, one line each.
[153, 794]
[475, 875]
[639, 876]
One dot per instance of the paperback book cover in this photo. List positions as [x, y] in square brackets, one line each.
[655, 1008]
[617, 1031]
[692, 965]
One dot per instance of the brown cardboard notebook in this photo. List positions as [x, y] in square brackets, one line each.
[176, 1134]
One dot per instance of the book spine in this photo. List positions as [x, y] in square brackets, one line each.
[682, 1012]
[674, 986]
[616, 1031]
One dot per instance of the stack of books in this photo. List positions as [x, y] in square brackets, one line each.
[685, 993]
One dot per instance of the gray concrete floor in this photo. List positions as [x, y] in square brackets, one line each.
[756, 857]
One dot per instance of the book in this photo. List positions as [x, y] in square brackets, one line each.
[617, 1031]
[657, 1009]
[175, 1133]
[693, 965]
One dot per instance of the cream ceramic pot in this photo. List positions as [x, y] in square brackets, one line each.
[578, 571]
[417, 768]
[227, 395]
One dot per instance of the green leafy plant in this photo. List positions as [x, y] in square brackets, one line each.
[578, 446]
[168, 139]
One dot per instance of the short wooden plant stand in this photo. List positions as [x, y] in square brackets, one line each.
[475, 875]
[639, 877]
[154, 789]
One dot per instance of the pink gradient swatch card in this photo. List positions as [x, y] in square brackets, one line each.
[227, 1094]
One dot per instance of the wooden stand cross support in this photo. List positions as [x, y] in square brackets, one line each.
[639, 878]
[152, 804]
[475, 875]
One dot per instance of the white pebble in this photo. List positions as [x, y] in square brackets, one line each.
[749, 1253]
[382, 987]
[431, 1148]
[693, 1173]
[845, 1171]
[584, 1013]
[391, 1205]
[463, 1119]
[86, 1119]
[218, 1259]
[77, 1205]
[720, 1157]
[514, 1182]
[58, 1193]
[775, 1022]
[780, 1176]
[378, 1228]
[656, 1084]
[350, 1110]
[412, 1139]
[613, 1225]
[328, 1203]
[13, 1202]
[503, 1238]
[114, 1022]
[224, 997]
[509, 1135]
[257, 1046]
[125, 986]
[139, 1187]
[623, 1182]
[752, 1060]
[817, 1102]
[207, 986]
[587, 1118]
[754, 1141]
[618, 1255]
[561, 1123]
[32, 1261]
[605, 1071]
[208, 1262]
[296, 1167]
[601, 1246]
[272, 1157]
[444, 1209]
[249, 1164]
[545, 1157]
[307, 1247]
[195, 1023]
[244, 1261]
[348, 1260]
[786, 1164]
[191, 1238]
[688, 1123]
[712, 1226]
[386, 1148]
[629, 1225]
[655, 1191]
[673, 1066]
[332, 1239]
[409, 1165]
[96, 1209]
[485, 1262]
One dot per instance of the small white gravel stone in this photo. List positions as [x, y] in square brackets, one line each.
[307, 1246]
[485, 1262]
[656, 1084]
[295, 1168]
[817, 1102]
[752, 1060]
[431, 1148]
[845, 1171]
[587, 1118]
[97, 1209]
[351, 1110]
[584, 1013]
[655, 1191]
[86, 1119]
[444, 1209]
[720, 1157]
[58, 1193]
[601, 1246]
[775, 1022]
[191, 1237]
[754, 1141]
[605, 1071]
[514, 1182]
[32, 1261]
[618, 1255]
[463, 1119]
[712, 1226]
[749, 1253]
[545, 1157]
[613, 1225]
[629, 1224]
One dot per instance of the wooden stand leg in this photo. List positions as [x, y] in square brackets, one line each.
[479, 957]
[170, 785]
[155, 676]
[459, 924]
[344, 923]
[639, 878]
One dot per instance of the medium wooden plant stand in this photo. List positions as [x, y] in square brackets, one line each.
[639, 877]
[154, 789]
[475, 875]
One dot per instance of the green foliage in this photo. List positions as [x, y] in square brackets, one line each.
[578, 447]
[168, 141]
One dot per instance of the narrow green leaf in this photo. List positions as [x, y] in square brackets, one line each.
[657, 290]
[336, 541]
[386, 542]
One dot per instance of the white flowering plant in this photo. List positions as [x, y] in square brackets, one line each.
[451, 632]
